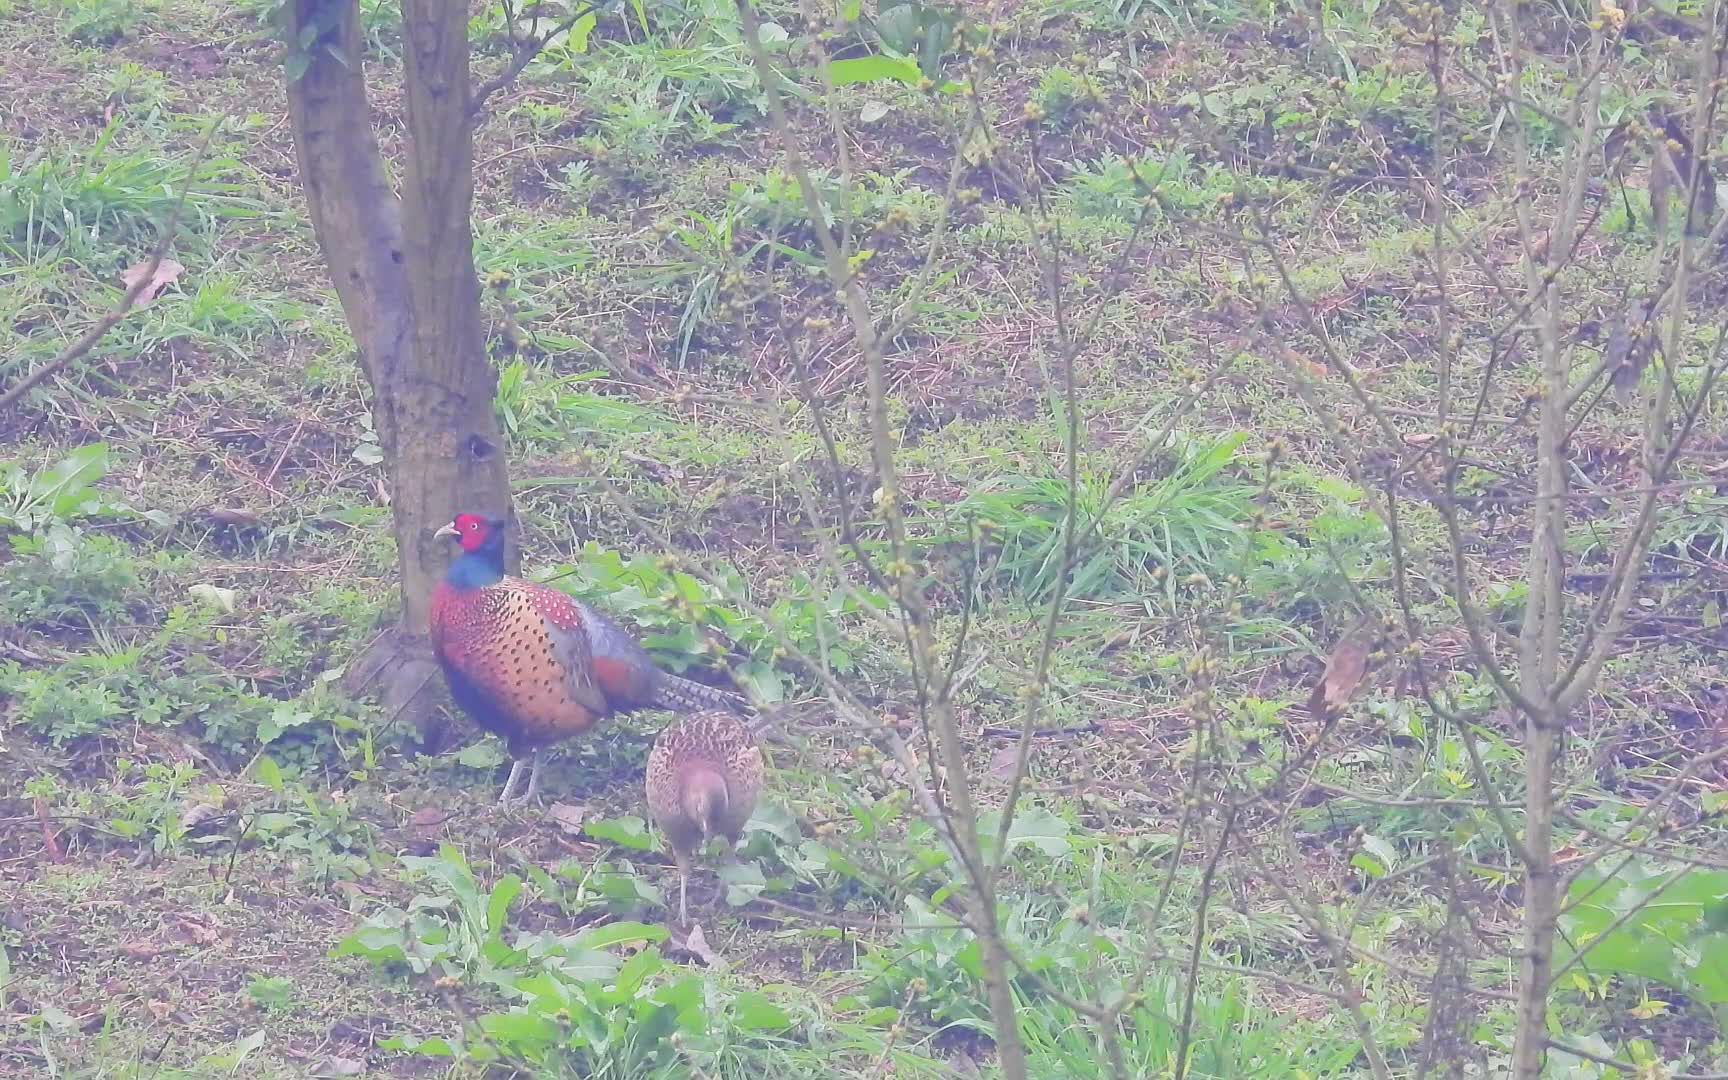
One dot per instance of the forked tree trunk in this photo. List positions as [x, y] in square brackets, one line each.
[404, 271]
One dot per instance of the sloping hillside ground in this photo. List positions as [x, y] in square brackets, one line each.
[212, 861]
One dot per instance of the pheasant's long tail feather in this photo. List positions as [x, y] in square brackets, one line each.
[676, 694]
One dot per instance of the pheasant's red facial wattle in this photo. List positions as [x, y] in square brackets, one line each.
[471, 531]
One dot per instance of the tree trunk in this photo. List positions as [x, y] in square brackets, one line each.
[404, 271]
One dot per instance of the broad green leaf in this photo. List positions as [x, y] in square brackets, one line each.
[744, 882]
[620, 933]
[629, 831]
[637, 969]
[578, 39]
[1037, 828]
[761, 680]
[433, 1047]
[526, 1033]
[268, 773]
[869, 69]
[1376, 858]
[754, 1012]
[498, 906]
[482, 755]
[72, 475]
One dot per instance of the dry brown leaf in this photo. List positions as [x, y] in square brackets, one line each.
[428, 816]
[695, 943]
[232, 515]
[167, 270]
[567, 817]
[1344, 671]
[1003, 761]
[199, 932]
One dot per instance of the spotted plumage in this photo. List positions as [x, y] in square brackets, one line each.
[704, 775]
[533, 665]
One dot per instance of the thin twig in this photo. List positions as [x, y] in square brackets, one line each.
[144, 280]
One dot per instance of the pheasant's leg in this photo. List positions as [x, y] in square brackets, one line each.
[683, 859]
[510, 784]
[533, 791]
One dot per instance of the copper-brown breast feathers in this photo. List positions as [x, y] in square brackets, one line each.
[537, 672]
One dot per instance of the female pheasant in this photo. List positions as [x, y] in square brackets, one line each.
[704, 774]
[533, 665]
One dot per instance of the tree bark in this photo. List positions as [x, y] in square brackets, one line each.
[404, 272]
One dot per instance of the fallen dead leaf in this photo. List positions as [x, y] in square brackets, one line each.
[694, 943]
[233, 515]
[567, 817]
[1003, 761]
[333, 1067]
[167, 270]
[428, 816]
[200, 932]
[142, 950]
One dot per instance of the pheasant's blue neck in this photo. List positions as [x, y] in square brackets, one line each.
[476, 569]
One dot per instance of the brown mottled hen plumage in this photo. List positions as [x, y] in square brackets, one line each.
[703, 778]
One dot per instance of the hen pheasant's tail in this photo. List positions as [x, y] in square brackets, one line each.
[676, 694]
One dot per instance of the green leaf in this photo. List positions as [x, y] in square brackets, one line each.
[743, 880]
[214, 596]
[762, 680]
[282, 718]
[1038, 828]
[754, 1012]
[902, 25]
[487, 754]
[268, 773]
[637, 969]
[527, 1033]
[1376, 858]
[578, 39]
[775, 820]
[498, 906]
[620, 933]
[433, 1047]
[629, 832]
[1710, 975]
[70, 478]
[869, 69]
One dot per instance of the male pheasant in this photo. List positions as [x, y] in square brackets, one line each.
[533, 665]
[704, 774]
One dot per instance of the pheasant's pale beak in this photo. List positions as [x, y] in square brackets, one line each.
[448, 530]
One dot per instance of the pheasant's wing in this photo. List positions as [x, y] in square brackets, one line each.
[571, 647]
[622, 668]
